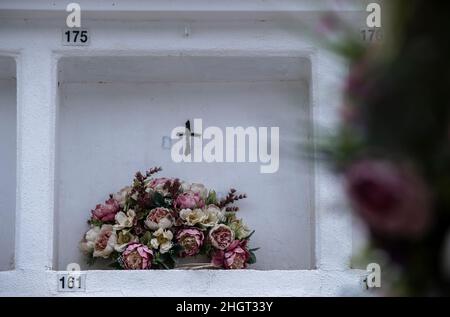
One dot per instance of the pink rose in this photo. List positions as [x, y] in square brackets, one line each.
[106, 212]
[191, 239]
[235, 256]
[159, 185]
[137, 257]
[391, 198]
[189, 200]
[158, 182]
[159, 218]
[221, 236]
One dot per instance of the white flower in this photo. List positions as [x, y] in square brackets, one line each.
[192, 217]
[87, 245]
[105, 242]
[124, 220]
[196, 188]
[162, 240]
[124, 237]
[240, 229]
[213, 216]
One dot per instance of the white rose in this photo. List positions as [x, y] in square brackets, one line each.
[124, 220]
[162, 240]
[87, 246]
[213, 216]
[195, 188]
[240, 229]
[124, 237]
[200, 189]
[192, 217]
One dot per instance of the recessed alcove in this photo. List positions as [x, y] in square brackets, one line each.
[8, 155]
[116, 111]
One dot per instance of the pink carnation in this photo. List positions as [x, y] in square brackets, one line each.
[106, 212]
[189, 200]
[137, 257]
[191, 239]
[235, 256]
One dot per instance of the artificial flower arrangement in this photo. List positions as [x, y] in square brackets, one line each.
[156, 221]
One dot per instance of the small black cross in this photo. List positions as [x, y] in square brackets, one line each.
[187, 132]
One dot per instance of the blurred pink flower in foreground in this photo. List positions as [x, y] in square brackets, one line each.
[391, 198]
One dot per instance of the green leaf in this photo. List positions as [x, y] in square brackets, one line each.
[212, 198]
[176, 249]
[252, 258]
[206, 249]
[158, 200]
[164, 261]
[115, 265]
[90, 260]
[145, 239]
[248, 237]
[95, 222]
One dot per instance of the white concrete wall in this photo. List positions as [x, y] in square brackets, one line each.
[35, 43]
[7, 161]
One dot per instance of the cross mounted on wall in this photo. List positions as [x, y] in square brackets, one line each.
[188, 133]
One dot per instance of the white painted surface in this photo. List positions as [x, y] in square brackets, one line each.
[7, 161]
[35, 42]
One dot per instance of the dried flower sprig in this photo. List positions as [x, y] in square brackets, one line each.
[153, 170]
[172, 187]
[231, 198]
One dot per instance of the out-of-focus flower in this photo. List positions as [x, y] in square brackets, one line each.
[189, 200]
[221, 236]
[162, 240]
[125, 220]
[360, 82]
[106, 212]
[159, 218]
[191, 239]
[137, 257]
[192, 217]
[235, 256]
[328, 23]
[393, 199]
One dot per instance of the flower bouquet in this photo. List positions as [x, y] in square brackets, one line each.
[156, 221]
